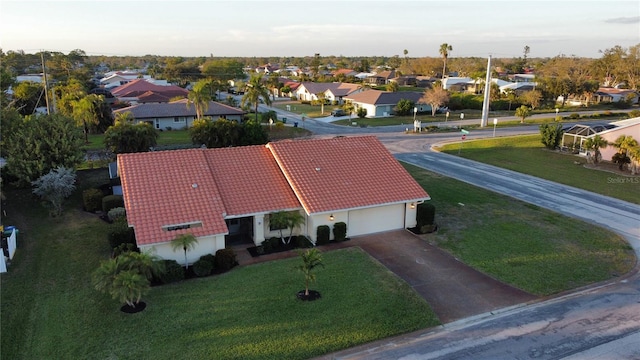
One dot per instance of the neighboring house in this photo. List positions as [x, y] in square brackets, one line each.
[177, 115]
[456, 83]
[346, 72]
[518, 87]
[308, 91]
[614, 95]
[381, 103]
[575, 136]
[118, 78]
[404, 80]
[217, 193]
[143, 90]
[381, 78]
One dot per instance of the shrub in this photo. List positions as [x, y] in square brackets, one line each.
[225, 259]
[92, 199]
[551, 135]
[634, 113]
[622, 160]
[173, 272]
[120, 233]
[340, 231]
[574, 116]
[274, 242]
[426, 214]
[210, 258]
[123, 248]
[116, 213]
[302, 241]
[266, 246]
[111, 201]
[322, 235]
[202, 267]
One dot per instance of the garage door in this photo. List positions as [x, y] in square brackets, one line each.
[373, 220]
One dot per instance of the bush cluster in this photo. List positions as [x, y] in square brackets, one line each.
[425, 217]
[111, 201]
[322, 235]
[117, 213]
[340, 231]
[225, 259]
[173, 272]
[205, 265]
[120, 233]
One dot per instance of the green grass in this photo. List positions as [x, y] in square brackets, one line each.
[50, 311]
[527, 155]
[529, 247]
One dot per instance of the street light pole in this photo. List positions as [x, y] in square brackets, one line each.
[495, 122]
[415, 111]
[557, 110]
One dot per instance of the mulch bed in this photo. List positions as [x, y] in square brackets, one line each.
[313, 295]
[133, 309]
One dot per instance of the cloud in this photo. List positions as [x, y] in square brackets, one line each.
[624, 20]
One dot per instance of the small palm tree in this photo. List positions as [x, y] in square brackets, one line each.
[286, 220]
[129, 286]
[311, 259]
[522, 112]
[185, 242]
[624, 143]
[255, 90]
[594, 144]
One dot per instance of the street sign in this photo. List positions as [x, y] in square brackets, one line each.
[464, 137]
[464, 131]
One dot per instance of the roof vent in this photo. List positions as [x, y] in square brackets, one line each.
[194, 185]
[317, 169]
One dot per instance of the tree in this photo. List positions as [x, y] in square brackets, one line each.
[252, 133]
[522, 112]
[126, 277]
[634, 156]
[594, 144]
[404, 107]
[361, 112]
[311, 259]
[531, 98]
[406, 59]
[348, 108]
[255, 90]
[86, 112]
[588, 88]
[55, 186]
[31, 150]
[444, 52]
[286, 220]
[200, 96]
[551, 135]
[625, 145]
[27, 96]
[125, 137]
[321, 100]
[435, 97]
[526, 52]
[511, 96]
[392, 86]
[185, 242]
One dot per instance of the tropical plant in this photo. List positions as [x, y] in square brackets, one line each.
[348, 108]
[199, 96]
[55, 186]
[127, 277]
[361, 112]
[255, 90]
[624, 143]
[594, 144]
[404, 107]
[393, 86]
[523, 112]
[311, 259]
[551, 135]
[444, 52]
[286, 220]
[86, 112]
[125, 137]
[185, 242]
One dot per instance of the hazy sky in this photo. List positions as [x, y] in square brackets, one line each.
[306, 27]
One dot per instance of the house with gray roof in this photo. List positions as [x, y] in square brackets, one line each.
[178, 114]
[308, 91]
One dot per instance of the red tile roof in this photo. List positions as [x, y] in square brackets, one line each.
[250, 181]
[344, 173]
[140, 86]
[167, 188]
[170, 188]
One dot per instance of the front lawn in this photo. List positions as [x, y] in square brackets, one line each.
[532, 248]
[50, 310]
[527, 155]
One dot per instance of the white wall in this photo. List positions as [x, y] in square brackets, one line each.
[206, 245]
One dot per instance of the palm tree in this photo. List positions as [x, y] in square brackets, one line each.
[311, 259]
[286, 220]
[255, 90]
[124, 118]
[595, 143]
[522, 112]
[84, 112]
[348, 108]
[185, 242]
[129, 286]
[634, 155]
[321, 99]
[200, 96]
[624, 143]
[444, 52]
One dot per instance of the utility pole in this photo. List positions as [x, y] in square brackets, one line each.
[46, 88]
[487, 91]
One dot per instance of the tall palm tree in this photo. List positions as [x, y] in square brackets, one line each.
[185, 242]
[200, 96]
[255, 90]
[311, 259]
[595, 143]
[444, 52]
[624, 143]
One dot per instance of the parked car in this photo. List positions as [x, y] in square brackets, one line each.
[338, 112]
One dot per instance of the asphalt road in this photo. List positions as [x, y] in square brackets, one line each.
[600, 322]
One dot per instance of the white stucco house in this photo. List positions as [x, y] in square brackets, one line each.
[215, 194]
[382, 103]
[177, 114]
[308, 91]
